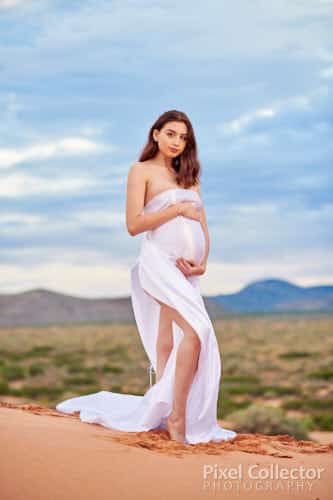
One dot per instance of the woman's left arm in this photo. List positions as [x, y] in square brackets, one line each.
[203, 220]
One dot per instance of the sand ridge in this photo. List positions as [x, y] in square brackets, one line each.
[280, 446]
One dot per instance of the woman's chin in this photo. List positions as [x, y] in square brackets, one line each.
[170, 155]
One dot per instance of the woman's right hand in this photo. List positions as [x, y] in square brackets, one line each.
[189, 209]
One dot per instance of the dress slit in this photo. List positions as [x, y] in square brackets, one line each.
[155, 277]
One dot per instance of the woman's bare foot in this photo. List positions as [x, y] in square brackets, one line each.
[176, 428]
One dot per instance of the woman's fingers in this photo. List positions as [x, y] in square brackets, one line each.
[184, 266]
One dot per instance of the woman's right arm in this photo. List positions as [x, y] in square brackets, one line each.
[136, 220]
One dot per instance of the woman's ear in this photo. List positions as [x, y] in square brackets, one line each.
[155, 135]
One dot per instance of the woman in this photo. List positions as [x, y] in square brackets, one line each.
[164, 202]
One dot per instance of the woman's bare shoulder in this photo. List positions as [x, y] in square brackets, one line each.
[196, 187]
[143, 169]
[138, 168]
[138, 165]
[137, 173]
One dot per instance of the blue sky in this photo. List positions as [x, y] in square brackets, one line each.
[82, 82]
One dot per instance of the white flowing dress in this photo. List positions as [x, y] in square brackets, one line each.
[155, 275]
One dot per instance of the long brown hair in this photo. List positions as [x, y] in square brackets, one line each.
[186, 165]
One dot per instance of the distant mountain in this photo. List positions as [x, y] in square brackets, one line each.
[274, 296]
[42, 306]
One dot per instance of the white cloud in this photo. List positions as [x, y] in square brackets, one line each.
[327, 73]
[237, 125]
[91, 274]
[99, 218]
[324, 54]
[19, 218]
[16, 185]
[273, 228]
[96, 280]
[307, 268]
[298, 102]
[7, 4]
[69, 146]
[94, 36]
[10, 105]
[80, 44]
[36, 224]
[23, 4]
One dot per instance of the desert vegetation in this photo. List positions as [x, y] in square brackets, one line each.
[281, 362]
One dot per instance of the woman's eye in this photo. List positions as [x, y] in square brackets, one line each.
[169, 134]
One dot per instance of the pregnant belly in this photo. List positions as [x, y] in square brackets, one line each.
[180, 237]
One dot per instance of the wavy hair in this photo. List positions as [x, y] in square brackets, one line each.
[186, 165]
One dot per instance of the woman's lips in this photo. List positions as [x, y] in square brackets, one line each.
[174, 150]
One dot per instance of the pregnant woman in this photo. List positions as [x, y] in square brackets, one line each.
[164, 202]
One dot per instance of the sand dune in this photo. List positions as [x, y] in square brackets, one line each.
[51, 458]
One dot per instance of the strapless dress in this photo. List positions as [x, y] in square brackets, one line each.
[181, 236]
[154, 275]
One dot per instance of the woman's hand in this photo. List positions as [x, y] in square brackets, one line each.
[190, 268]
[190, 209]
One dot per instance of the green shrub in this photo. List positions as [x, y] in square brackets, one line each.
[261, 390]
[322, 374]
[93, 389]
[247, 379]
[37, 391]
[75, 368]
[80, 380]
[309, 404]
[4, 387]
[112, 369]
[67, 358]
[13, 372]
[267, 420]
[118, 388]
[11, 355]
[36, 369]
[296, 354]
[39, 350]
[293, 404]
[226, 406]
[323, 422]
[252, 390]
[280, 390]
[119, 352]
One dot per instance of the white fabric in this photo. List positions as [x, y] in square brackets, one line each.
[154, 274]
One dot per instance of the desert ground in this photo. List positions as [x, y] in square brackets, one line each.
[280, 362]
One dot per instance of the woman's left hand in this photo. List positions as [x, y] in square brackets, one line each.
[189, 267]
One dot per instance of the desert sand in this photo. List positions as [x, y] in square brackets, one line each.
[47, 455]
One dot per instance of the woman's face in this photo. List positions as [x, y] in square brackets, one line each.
[171, 138]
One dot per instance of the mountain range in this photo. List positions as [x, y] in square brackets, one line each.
[42, 306]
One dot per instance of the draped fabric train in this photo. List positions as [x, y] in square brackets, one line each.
[155, 275]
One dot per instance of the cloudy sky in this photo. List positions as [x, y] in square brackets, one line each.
[81, 82]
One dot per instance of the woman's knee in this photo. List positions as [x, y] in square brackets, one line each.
[189, 331]
[165, 337]
[167, 316]
[193, 341]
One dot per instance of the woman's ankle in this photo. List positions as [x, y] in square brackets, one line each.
[177, 416]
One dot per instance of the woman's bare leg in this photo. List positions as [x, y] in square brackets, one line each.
[164, 340]
[186, 365]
